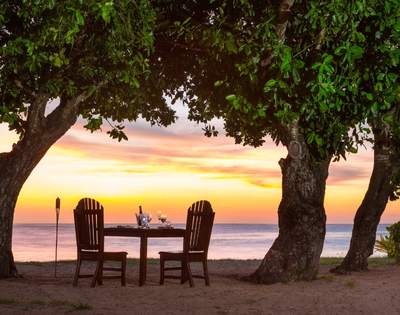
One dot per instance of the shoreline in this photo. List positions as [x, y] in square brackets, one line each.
[239, 241]
[376, 261]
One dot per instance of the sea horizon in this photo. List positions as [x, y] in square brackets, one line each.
[36, 241]
[231, 223]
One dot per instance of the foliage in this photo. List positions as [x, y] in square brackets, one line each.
[336, 66]
[395, 195]
[66, 48]
[386, 245]
[390, 244]
[395, 154]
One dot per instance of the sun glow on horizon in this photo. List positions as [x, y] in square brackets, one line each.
[167, 169]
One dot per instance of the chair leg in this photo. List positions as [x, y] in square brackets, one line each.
[162, 266]
[183, 273]
[123, 272]
[205, 269]
[189, 273]
[77, 271]
[96, 274]
[100, 277]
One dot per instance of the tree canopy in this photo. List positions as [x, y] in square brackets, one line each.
[313, 75]
[93, 57]
[64, 49]
[327, 66]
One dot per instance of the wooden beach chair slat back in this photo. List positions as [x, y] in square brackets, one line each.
[199, 224]
[89, 225]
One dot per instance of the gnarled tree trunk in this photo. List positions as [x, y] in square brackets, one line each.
[295, 254]
[373, 205]
[16, 166]
[7, 204]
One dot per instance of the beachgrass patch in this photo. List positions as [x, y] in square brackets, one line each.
[381, 261]
[5, 301]
[350, 284]
[70, 306]
[329, 278]
[81, 307]
[373, 261]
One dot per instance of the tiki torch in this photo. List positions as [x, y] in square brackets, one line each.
[58, 203]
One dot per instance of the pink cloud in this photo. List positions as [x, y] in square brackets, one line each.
[192, 152]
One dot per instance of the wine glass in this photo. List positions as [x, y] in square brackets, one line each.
[162, 218]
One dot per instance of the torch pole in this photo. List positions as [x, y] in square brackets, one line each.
[58, 202]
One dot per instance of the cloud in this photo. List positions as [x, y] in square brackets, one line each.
[149, 151]
[184, 148]
[340, 174]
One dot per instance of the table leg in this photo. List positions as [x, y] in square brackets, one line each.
[143, 260]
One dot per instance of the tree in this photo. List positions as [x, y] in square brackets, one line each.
[383, 185]
[381, 88]
[288, 70]
[91, 56]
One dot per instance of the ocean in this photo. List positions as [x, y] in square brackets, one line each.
[36, 242]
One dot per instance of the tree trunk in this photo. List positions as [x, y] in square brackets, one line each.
[16, 166]
[7, 204]
[10, 186]
[295, 254]
[369, 213]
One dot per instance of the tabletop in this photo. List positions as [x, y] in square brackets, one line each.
[140, 232]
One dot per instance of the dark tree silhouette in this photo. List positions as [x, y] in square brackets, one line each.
[93, 59]
[295, 71]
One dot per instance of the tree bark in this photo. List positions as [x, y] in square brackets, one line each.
[295, 254]
[7, 202]
[16, 166]
[373, 205]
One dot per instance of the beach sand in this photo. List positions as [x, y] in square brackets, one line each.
[38, 292]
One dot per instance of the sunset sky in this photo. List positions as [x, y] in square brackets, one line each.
[166, 169]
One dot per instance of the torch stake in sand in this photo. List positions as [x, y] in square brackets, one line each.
[58, 202]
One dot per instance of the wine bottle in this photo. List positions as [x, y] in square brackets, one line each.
[140, 217]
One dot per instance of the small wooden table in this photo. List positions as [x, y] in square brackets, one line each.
[144, 234]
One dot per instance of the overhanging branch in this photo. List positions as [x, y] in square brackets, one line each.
[283, 20]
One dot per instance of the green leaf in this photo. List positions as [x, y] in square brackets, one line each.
[397, 26]
[269, 85]
[79, 18]
[318, 140]
[230, 97]
[356, 52]
[353, 150]
[94, 124]
[380, 76]
[117, 133]
[323, 107]
[286, 59]
[107, 11]
[230, 43]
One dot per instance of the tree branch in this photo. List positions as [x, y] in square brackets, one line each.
[35, 116]
[283, 19]
[65, 115]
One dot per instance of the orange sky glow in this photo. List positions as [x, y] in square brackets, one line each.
[166, 169]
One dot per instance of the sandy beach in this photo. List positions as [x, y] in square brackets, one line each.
[38, 292]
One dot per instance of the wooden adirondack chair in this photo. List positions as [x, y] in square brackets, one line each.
[199, 225]
[89, 229]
